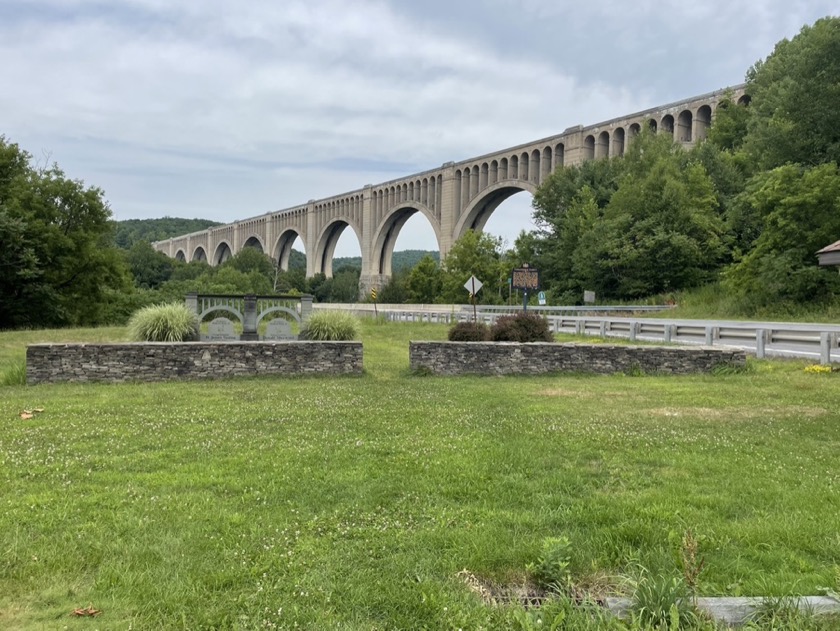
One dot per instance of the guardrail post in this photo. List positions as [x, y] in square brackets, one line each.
[668, 333]
[710, 336]
[602, 331]
[760, 342]
[825, 348]
[634, 326]
[579, 326]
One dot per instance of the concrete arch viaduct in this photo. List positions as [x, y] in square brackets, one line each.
[454, 197]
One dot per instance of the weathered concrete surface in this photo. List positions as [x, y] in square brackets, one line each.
[160, 361]
[511, 358]
[737, 611]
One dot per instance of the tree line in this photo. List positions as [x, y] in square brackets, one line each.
[743, 211]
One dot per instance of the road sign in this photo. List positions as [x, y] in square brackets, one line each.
[473, 285]
[526, 278]
[541, 298]
[373, 294]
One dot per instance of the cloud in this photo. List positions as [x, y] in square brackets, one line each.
[229, 109]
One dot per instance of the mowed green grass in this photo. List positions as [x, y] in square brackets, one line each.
[353, 502]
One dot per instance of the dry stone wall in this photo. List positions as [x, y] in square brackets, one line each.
[511, 358]
[161, 361]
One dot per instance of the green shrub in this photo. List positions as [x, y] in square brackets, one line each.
[333, 326]
[164, 323]
[522, 327]
[468, 332]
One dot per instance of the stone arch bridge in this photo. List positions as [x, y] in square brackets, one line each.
[454, 197]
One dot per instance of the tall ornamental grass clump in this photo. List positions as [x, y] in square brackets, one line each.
[164, 323]
[330, 326]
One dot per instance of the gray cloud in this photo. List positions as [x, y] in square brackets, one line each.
[227, 110]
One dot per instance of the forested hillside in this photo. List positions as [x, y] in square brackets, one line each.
[130, 231]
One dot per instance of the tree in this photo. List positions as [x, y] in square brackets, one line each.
[424, 281]
[73, 272]
[474, 254]
[794, 95]
[798, 212]
[149, 267]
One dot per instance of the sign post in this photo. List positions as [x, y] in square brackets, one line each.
[527, 279]
[473, 285]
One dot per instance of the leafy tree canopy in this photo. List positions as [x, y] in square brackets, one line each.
[60, 266]
[795, 92]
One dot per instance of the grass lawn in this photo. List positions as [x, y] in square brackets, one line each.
[354, 502]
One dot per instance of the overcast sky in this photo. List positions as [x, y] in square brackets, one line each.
[226, 110]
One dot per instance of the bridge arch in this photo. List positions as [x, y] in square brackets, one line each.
[327, 240]
[180, 256]
[199, 254]
[385, 237]
[475, 215]
[254, 242]
[282, 251]
[223, 253]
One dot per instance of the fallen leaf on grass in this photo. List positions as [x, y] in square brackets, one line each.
[87, 611]
[28, 414]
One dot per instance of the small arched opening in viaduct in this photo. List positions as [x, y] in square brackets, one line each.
[223, 253]
[326, 246]
[199, 254]
[180, 256]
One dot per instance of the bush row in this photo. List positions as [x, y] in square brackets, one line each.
[521, 327]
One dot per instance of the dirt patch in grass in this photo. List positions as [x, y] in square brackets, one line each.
[739, 413]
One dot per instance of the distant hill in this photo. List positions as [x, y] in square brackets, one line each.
[130, 231]
[402, 261]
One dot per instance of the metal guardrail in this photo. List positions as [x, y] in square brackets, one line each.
[761, 338]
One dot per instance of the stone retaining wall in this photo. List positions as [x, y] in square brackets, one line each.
[511, 358]
[161, 361]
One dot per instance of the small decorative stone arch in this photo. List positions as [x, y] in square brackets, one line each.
[685, 121]
[524, 167]
[493, 177]
[618, 142]
[703, 121]
[180, 256]
[215, 308]
[294, 314]
[559, 155]
[652, 125]
[475, 216]
[535, 166]
[667, 124]
[223, 253]
[328, 239]
[513, 173]
[602, 145]
[387, 232]
[546, 164]
[199, 254]
[745, 100]
[634, 130]
[589, 147]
